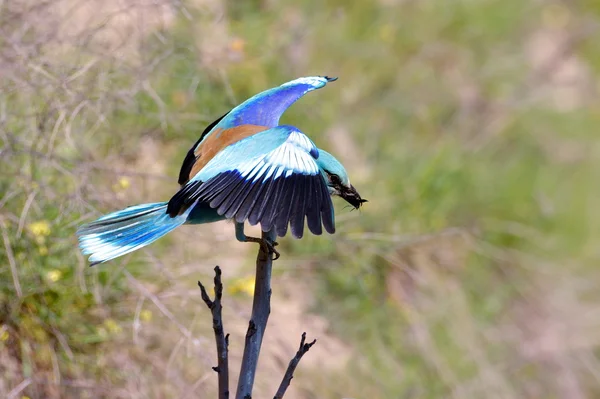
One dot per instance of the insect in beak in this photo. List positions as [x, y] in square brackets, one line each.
[352, 196]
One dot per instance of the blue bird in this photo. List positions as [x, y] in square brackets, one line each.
[244, 167]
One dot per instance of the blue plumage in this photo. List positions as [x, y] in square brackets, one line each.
[245, 167]
[266, 108]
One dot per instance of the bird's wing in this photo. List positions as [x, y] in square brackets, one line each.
[262, 110]
[269, 178]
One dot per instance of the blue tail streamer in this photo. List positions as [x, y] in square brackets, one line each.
[127, 230]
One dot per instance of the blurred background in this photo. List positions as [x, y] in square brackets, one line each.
[470, 126]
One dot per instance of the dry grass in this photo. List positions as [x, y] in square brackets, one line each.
[69, 67]
[469, 127]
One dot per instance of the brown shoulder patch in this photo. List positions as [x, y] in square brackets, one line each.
[220, 139]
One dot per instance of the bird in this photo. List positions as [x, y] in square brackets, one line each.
[244, 167]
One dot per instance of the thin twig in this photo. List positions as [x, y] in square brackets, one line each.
[261, 307]
[289, 373]
[14, 393]
[24, 212]
[11, 260]
[221, 339]
[164, 310]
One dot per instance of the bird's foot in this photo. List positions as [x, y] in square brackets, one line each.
[267, 246]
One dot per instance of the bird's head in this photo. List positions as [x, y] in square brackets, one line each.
[313, 82]
[337, 179]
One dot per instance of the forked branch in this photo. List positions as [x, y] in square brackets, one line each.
[261, 308]
[289, 373]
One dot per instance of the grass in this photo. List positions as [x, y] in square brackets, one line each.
[470, 272]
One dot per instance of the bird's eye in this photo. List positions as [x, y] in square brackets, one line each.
[334, 180]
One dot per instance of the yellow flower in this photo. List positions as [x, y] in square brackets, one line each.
[124, 183]
[54, 275]
[43, 250]
[244, 285]
[146, 315]
[112, 326]
[4, 335]
[40, 229]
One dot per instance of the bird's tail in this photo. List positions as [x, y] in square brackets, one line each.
[125, 231]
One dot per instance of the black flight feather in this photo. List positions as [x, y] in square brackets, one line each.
[261, 202]
[313, 208]
[235, 200]
[185, 196]
[327, 209]
[285, 205]
[250, 202]
[220, 200]
[297, 207]
[267, 220]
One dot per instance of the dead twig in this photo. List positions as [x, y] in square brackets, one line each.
[221, 339]
[261, 308]
[289, 373]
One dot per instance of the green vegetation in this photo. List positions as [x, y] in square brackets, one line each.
[470, 126]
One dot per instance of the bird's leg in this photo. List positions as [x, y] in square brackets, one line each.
[267, 246]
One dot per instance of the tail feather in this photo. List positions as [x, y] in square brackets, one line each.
[127, 230]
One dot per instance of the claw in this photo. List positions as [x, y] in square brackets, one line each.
[266, 246]
[273, 250]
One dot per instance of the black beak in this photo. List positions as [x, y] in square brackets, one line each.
[330, 79]
[352, 196]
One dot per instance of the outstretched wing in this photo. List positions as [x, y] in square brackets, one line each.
[269, 178]
[258, 113]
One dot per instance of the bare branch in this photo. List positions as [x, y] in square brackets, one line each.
[261, 307]
[221, 339]
[289, 373]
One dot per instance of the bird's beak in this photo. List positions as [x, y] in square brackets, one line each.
[330, 79]
[352, 196]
